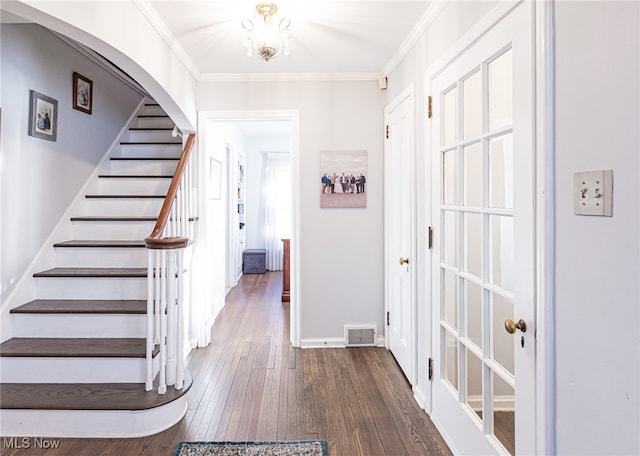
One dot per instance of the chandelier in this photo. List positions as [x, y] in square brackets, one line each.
[263, 36]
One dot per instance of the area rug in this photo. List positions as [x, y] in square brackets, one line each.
[288, 448]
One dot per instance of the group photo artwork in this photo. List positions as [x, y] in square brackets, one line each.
[343, 182]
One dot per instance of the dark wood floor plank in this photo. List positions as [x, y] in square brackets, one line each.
[250, 384]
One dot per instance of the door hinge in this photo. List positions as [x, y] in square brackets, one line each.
[387, 132]
[429, 107]
[387, 318]
[430, 238]
[430, 368]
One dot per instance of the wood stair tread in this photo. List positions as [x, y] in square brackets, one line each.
[82, 306]
[144, 158]
[105, 218]
[102, 243]
[123, 218]
[150, 129]
[103, 196]
[48, 347]
[135, 176]
[151, 143]
[94, 272]
[87, 396]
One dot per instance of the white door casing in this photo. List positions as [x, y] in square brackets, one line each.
[484, 250]
[400, 301]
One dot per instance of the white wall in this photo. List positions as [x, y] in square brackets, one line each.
[256, 161]
[41, 178]
[597, 268]
[341, 269]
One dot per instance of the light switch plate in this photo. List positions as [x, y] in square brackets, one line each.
[593, 193]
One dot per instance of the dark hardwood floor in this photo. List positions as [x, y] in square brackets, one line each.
[249, 384]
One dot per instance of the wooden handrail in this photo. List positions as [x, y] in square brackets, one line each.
[154, 241]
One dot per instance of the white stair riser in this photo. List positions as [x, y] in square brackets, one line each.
[73, 370]
[143, 166]
[143, 207]
[72, 325]
[131, 186]
[155, 122]
[90, 257]
[91, 288]
[148, 150]
[112, 230]
[88, 423]
[151, 135]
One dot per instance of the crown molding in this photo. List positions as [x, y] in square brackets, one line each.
[288, 77]
[423, 24]
[159, 26]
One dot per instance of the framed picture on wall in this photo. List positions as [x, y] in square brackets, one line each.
[343, 179]
[82, 93]
[43, 116]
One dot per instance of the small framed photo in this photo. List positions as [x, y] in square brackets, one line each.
[43, 116]
[82, 93]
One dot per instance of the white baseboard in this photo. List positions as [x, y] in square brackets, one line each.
[328, 342]
[420, 397]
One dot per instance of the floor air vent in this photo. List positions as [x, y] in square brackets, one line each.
[360, 336]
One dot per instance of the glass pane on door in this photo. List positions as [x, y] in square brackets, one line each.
[501, 172]
[500, 91]
[474, 382]
[504, 423]
[472, 106]
[472, 179]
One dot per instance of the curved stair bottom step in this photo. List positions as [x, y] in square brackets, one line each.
[91, 423]
[88, 410]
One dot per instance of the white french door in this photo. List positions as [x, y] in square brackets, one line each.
[399, 260]
[484, 256]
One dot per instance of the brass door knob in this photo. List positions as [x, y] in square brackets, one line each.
[403, 261]
[511, 326]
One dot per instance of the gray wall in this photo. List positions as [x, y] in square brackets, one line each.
[41, 178]
[341, 251]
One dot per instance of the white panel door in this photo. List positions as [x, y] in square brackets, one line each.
[483, 262]
[399, 263]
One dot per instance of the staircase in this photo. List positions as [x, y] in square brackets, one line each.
[76, 366]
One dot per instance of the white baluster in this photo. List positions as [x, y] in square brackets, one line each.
[180, 312]
[148, 386]
[162, 385]
[157, 303]
[171, 317]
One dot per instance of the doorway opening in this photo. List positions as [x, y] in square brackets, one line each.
[259, 155]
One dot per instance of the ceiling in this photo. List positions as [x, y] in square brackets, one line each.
[335, 38]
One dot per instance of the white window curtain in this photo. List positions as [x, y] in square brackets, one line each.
[277, 207]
